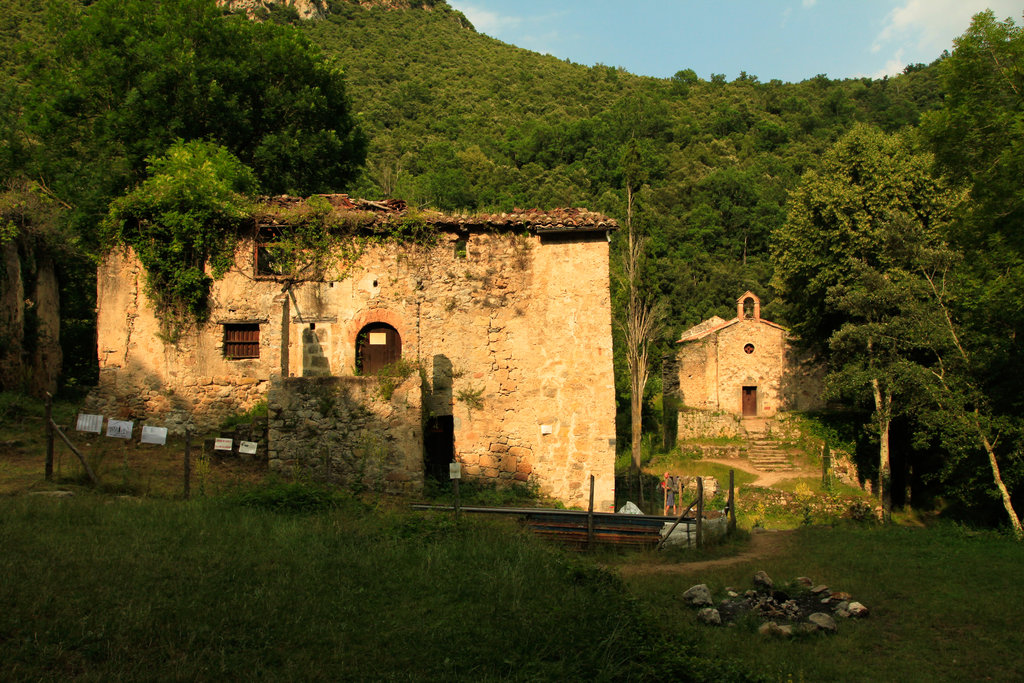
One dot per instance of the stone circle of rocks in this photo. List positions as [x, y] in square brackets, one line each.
[798, 607]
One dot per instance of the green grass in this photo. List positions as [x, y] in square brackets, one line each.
[102, 589]
[944, 605]
[701, 468]
[814, 485]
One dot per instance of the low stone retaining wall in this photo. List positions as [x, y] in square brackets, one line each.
[344, 430]
[702, 424]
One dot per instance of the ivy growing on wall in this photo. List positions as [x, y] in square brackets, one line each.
[185, 220]
[184, 216]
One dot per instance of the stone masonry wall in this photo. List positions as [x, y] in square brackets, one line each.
[764, 368]
[714, 370]
[346, 431]
[513, 335]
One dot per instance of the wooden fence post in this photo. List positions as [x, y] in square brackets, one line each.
[67, 442]
[590, 516]
[732, 501]
[188, 463]
[48, 468]
[700, 512]
[455, 491]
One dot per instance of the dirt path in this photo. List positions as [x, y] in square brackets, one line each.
[764, 479]
[763, 544]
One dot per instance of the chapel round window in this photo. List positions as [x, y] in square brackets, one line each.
[749, 348]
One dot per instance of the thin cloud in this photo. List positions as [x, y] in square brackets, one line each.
[486, 21]
[892, 67]
[517, 28]
[931, 25]
[810, 3]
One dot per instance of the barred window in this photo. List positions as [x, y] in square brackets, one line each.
[241, 340]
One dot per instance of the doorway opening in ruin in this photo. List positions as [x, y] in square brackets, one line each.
[749, 401]
[377, 345]
[439, 446]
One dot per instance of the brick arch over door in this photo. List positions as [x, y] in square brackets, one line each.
[378, 320]
[377, 345]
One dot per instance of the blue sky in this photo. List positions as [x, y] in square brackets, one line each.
[786, 39]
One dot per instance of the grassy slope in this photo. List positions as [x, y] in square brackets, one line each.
[943, 606]
[100, 590]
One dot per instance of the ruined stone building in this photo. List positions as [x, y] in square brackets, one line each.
[490, 343]
[744, 366]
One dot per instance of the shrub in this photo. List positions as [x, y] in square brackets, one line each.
[295, 497]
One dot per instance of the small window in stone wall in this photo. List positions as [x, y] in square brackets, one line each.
[241, 340]
[748, 349]
[267, 264]
[461, 246]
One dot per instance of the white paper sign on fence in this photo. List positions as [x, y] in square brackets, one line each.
[155, 435]
[120, 429]
[222, 444]
[247, 447]
[90, 423]
[454, 470]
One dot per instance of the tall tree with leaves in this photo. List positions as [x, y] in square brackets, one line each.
[977, 140]
[854, 228]
[129, 77]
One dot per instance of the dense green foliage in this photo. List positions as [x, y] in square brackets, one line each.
[184, 216]
[460, 121]
[128, 77]
[912, 291]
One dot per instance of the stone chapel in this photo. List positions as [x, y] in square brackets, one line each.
[745, 366]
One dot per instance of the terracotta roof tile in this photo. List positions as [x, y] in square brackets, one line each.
[540, 220]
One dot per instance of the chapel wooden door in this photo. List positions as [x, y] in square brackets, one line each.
[749, 401]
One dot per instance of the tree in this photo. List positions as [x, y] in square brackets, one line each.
[854, 229]
[133, 76]
[641, 324]
[977, 142]
[183, 217]
[878, 348]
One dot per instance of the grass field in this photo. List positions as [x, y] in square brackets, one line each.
[945, 605]
[284, 581]
[118, 589]
[106, 588]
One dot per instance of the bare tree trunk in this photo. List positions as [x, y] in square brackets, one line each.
[12, 318]
[883, 408]
[47, 356]
[1004, 493]
[975, 417]
[641, 325]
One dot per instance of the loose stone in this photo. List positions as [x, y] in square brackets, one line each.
[710, 616]
[698, 596]
[762, 579]
[823, 621]
[857, 610]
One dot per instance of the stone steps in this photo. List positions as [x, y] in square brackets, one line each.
[766, 456]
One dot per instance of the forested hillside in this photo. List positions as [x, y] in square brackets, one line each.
[460, 121]
[919, 173]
